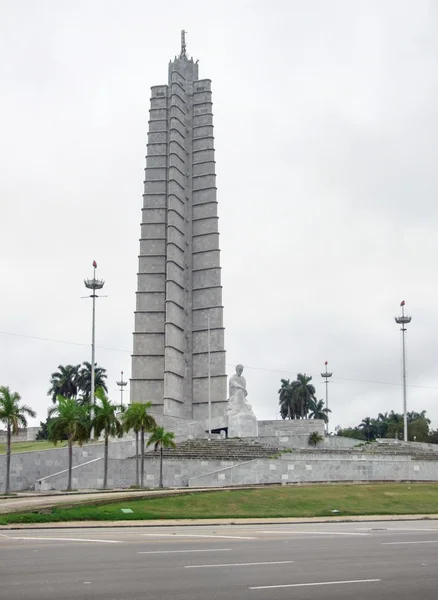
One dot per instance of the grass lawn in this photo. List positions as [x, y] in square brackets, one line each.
[30, 446]
[290, 501]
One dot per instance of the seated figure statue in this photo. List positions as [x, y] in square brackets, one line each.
[242, 421]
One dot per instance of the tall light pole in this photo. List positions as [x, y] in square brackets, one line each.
[326, 376]
[93, 285]
[121, 385]
[403, 321]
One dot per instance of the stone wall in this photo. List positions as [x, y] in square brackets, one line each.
[290, 433]
[296, 468]
[288, 468]
[24, 435]
[121, 473]
[27, 467]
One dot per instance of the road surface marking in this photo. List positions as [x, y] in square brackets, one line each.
[270, 587]
[412, 529]
[280, 562]
[185, 551]
[198, 535]
[59, 539]
[400, 543]
[312, 532]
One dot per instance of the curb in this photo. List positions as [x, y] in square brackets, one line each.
[217, 522]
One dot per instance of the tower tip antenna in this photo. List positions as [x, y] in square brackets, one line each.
[183, 44]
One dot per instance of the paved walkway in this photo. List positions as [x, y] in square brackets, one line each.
[35, 500]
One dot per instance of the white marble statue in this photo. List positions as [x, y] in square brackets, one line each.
[242, 421]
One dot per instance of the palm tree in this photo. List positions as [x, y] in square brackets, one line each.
[303, 392]
[317, 410]
[136, 417]
[64, 382]
[368, 427]
[13, 415]
[71, 419]
[106, 421]
[161, 439]
[84, 381]
[315, 438]
[286, 400]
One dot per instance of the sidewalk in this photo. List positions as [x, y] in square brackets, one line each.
[39, 500]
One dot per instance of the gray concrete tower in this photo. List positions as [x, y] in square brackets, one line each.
[179, 276]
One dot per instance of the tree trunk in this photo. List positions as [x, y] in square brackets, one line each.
[161, 466]
[105, 463]
[70, 461]
[137, 463]
[8, 461]
[142, 459]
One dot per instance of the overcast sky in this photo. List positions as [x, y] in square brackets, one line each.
[326, 127]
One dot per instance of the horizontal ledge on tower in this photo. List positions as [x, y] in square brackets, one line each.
[222, 351]
[202, 175]
[174, 348]
[205, 218]
[147, 355]
[203, 162]
[176, 245]
[176, 304]
[206, 251]
[147, 312]
[204, 137]
[145, 379]
[152, 273]
[206, 377]
[174, 324]
[204, 189]
[161, 332]
[206, 269]
[208, 287]
[208, 307]
[196, 235]
[206, 329]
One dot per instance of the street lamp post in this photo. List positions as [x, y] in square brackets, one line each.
[403, 320]
[93, 285]
[326, 376]
[121, 385]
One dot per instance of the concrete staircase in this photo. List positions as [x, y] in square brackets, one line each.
[219, 449]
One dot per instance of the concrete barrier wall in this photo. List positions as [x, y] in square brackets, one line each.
[318, 467]
[27, 467]
[288, 468]
[24, 435]
[121, 473]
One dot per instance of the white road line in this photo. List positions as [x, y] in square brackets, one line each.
[250, 564]
[400, 543]
[412, 529]
[59, 539]
[270, 587]
[185, 551]
[280, 532]
[196, 535]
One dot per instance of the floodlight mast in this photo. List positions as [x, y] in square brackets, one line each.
[93, 285]
[326, 376]
[403, 320]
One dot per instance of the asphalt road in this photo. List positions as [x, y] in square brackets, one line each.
[381, 560]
